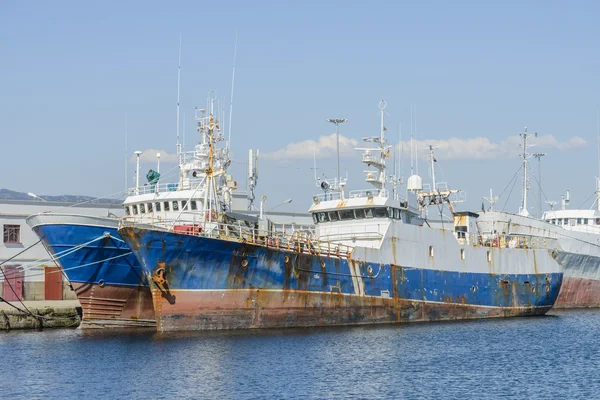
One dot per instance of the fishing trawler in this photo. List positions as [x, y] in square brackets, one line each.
[370, 260]
[107, 278]
[575, 234]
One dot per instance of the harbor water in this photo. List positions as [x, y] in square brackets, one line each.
[554, 356]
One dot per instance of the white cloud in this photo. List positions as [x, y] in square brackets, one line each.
[483, 148]
[149, 155]
[477, 148]
[323, 147]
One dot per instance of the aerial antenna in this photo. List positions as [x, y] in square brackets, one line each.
[232, 84]
[492, 200]
[315, 162]
[523, 211]
[400, 151]
[416, 145]
[412, 166]
[178, 93]
[337, 122]
[126, 154]
[183, 134]
[598, 178]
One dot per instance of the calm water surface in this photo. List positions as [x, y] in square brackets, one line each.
[556, 356]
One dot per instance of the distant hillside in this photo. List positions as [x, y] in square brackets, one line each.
[6, 194]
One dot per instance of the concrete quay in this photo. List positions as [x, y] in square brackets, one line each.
[46, 314]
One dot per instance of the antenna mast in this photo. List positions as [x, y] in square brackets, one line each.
[432, 160]
[492, 200]
[412, 165]
[179, 151]
[523, 211]
[337, 122]
[598, 178]
[232, 85]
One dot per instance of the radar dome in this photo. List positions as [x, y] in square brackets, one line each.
[415, 182]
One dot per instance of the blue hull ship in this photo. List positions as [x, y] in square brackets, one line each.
[202, 283]
[109, 282]
[371, 259]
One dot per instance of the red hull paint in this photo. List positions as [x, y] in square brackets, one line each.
[578, 293]
[243, 309]
[115, 306]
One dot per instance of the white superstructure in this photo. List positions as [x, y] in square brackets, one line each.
[203, 190]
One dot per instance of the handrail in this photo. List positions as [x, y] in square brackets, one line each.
[504, 241]
[369, 192]
[299, 241]
[161, 187]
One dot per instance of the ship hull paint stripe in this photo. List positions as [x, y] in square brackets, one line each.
[156, 292]
[208, 310]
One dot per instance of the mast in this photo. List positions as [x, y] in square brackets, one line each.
[382, 143]
[523, 211]
[598, 178]
[375, 157]
[232, 85]
[432, 160]
[179, 151]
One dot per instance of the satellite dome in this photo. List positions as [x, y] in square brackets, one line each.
[415, 182]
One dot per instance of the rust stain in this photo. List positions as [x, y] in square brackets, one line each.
[341, 203]
[394, 239]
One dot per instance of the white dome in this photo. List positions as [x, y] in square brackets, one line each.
[415, 182]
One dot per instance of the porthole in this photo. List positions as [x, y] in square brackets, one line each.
[370, 270]
[473, 289]
[286, 259]
[323, 264]
[101, 283]
[244, 263]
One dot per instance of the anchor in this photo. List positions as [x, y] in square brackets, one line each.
[162, 283]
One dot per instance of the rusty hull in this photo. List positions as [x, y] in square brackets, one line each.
[244, 309]
[113, 306]
[578, 293]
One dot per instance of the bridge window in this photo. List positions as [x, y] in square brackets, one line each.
[142, 208]
[315, 218]
[157, 206]
[359, 214]
[585, 221]
[380, 212]
[175, 205]
[333, 216]
[397, 213]
[193, 205]
[127, 212]
[184, 205]
[578, 221]
[149, 207]
[346, 215]
[167, 205]
[322, 217]
[369, 212]
[135, 209]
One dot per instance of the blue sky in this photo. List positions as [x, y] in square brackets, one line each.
[72, 74]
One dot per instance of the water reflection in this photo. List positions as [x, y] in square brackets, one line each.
[543, 357]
